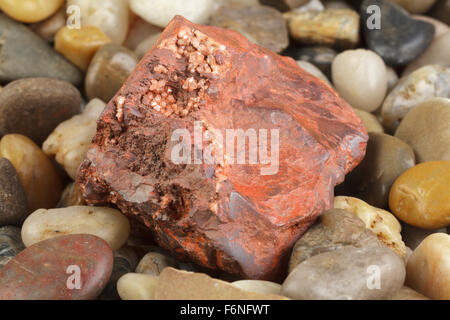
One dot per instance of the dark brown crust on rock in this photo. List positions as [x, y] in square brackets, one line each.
[228, 217]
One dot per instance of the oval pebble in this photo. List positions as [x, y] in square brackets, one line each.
[30, 10]
[428, 268]
[345, 274]
[360, 78]
[49, 270]
[160, 12]
[153, 263]
[45, 102]
[425, 83]
[370, 121]
[137, 286]
[426, 129]
[106, 223]
[420, 196]
[37, 174]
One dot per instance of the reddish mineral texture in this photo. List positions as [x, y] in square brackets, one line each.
[227, 216]
[71, 267]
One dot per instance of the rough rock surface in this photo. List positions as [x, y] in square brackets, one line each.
[240, 218]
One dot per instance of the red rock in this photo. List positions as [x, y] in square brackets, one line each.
[228, 217]
[43, 270]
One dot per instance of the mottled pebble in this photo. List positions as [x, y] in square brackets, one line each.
[153, 263]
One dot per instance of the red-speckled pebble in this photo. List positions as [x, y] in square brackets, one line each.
[48, 270]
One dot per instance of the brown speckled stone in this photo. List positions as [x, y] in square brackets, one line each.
[40, 271]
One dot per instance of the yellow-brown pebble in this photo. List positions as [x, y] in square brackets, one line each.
[39, 177]
[30, 10]
[80, 45]
[420, 196]
[428, 268]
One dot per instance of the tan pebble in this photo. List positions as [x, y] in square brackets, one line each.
[137, 286]
[30, 11]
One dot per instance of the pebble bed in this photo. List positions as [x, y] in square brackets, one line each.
[387, 234]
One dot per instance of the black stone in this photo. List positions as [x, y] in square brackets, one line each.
[401, 39]
[321, 57]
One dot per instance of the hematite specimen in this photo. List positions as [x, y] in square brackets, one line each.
[227, 216]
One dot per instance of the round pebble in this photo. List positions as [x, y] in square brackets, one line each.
[45, 102]
[110, 16]
[108, 70]
[106, 223]
[73, 267]
[360, 78]
[153, 263]
[370, 121]
[335, 275]
[428, 268]
[160, 12]
[146, 44]
[13, 199]
[426, 130]
[80, 45]
[37, 174]
[137, 286]
[420, 196]
[425, 83]
[387, 157]
[30, 10]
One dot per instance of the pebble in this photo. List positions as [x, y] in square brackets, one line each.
[400, 38]
[413, 236]
[406, 293]
[183, 285]
[312, 69]
[370, 121]
[425, 83]
[48, 270]
[45, 102]
[387, 157]
[37, 174]
[420, 196]
[137, 286]
[334, 275]
[80, 45]
[146, 44]
[30, 10]
[441, 11]
[364, 70]
[321, 57]
[108, 70]
[110, 16]
[26, 55]
[284, 5]
[428, 268]
[71, 196]
[106, 223]
[258, 286]
[437, 53]
[425, 128]
[70, 141]
[13, 199]
[332, 27]
[381, 222]
[139, 31]
[262, 25]
[160, 12]
[153, 263]
[10, 244]
[125, 261]
[334, 230]
[47, 29]
[415, 6]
